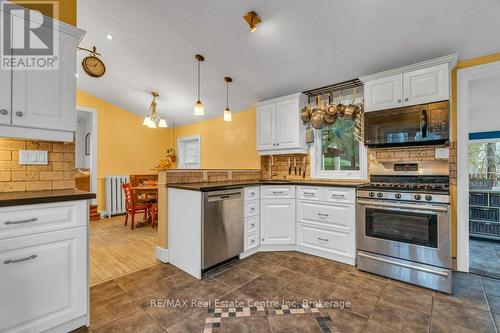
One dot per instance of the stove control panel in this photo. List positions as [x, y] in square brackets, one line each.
[404, 196]
[417, 197]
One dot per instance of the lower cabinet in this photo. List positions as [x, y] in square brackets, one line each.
[43, 280]
[277, 221]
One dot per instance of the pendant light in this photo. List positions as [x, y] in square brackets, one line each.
[198, 107]
[152, 120]
[227, 111]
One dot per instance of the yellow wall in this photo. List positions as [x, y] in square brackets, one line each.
[460, 65]
[124, 146]
[226, 145]
[67, 10]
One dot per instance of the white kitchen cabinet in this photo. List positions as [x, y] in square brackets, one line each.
[43, 280]
[424, 82]
[427, 85]
[329, 243]
[277, 221]
[384, 93]
[279, 127]
[43, 101]
[332, 215]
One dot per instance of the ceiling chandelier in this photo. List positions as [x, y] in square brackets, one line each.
[227, 111]
[198, 107]
[152, 120]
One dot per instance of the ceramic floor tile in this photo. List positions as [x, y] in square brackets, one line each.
[193, 323]
[235, 277]
[167, 316]
[464, 280]
[345, 321]
[491, 286]
[294, 324]
[399, 319]
[464, 296]
[406, 298]
[103, 292]
[494, 302]
[146, 277]
[111, 310]
[138, 321]
[366, 285]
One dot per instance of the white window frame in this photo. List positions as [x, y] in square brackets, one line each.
[316, 163]
[180, 142]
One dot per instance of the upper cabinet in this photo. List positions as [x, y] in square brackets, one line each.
[41, 103]
[279, 127]
[425, 82]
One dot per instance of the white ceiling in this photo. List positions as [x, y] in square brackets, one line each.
[300, 45]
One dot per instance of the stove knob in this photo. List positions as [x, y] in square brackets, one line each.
[371, 194]
[380, 194]
[428, 197]
[417, 196]
[398, 195]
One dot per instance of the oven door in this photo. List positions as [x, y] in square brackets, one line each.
[416, 232]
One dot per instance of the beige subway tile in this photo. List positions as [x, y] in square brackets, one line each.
[69, 165]
[69, 147]
[58, 166]
[63, 184]
[5, 176]
[56, 157]
[5, 155]
[69, 157]
[12, 186]
[38, 168]
[39, 145]
[15, 155]
[51, 175]
[25, 175]
[39, 185]
[7, 144]
[69, 175]
[58, 147]
[11, 166]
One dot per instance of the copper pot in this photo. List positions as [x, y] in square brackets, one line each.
[340, 107]
[305, 115]
[329, 119]
[317, 120]
[352, 110]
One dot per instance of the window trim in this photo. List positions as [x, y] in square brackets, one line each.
[315, 158]
[180, 152]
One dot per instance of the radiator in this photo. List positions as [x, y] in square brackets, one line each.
[115, 198]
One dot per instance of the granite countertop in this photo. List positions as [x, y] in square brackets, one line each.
[35, 197]
[484, 190]
[214, 186]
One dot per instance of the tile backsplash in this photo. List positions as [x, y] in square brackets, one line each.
[59, 173]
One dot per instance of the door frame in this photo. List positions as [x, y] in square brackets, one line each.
[180, 152]
[93, 155]
[464, 78]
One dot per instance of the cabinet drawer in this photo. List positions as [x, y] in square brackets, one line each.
[339, 194]
[251, 241]
[251, 208]
[338, 242]
[252, 193]
[251, 224]
[275, 191]
[31, 219]
[309, 192]
[340, 216]
[43, 280]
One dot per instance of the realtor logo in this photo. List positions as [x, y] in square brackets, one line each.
[29, 38]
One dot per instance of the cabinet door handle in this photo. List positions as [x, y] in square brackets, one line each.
[323, 215]
[19, 113]
[252, 241]
[399, 100]
[252, 225]
[338, 195]
[252, 193]
[277, 144]
[13, 261]
[34, 219]
[406, 99]
[323, 239]
[4, 112]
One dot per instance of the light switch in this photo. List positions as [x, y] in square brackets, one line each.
[442, 153]
[33, 157]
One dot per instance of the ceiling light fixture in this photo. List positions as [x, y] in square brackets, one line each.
[253, 20]
[152, 120]
[109, 36]
[227, 111]
[198, 107]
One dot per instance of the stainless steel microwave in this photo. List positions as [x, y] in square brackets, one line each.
[424, 124]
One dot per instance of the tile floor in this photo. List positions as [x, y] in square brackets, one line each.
[484, 258]
[376, 304]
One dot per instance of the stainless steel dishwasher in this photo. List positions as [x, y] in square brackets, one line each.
[222, 226]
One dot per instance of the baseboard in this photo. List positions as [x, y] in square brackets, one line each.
[69, 326]
[162, 254]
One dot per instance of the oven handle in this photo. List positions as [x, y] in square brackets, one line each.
[422, 269]
[402, 206]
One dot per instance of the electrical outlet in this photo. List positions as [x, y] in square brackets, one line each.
[442, 153]
[33, 157]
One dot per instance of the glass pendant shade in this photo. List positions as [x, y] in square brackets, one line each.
[198, 109]
[146, 121]
[162, 123]
[227, 115]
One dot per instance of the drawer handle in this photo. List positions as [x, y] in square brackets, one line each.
[33, 219]
[323, 239]
[278, 192]
[252, 241]
[308, 194]
[252, 193]
[4, 112]
[19, 113]
[338, 195]
[252, 225]
[323, 215]
[13, 261]
[252, 208]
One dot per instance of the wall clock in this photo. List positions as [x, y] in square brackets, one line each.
[92, 65]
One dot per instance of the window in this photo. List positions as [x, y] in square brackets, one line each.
[189, 152]
[337, 153]
[484, 163]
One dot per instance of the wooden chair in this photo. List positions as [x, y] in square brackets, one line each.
[154, 215]
[131, 206]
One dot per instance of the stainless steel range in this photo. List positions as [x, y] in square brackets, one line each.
[403, 227]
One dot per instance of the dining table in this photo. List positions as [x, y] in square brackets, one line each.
[147, 190]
